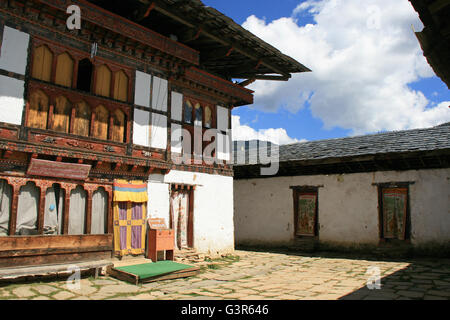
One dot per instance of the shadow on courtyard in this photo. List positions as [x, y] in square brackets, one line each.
[423, 278]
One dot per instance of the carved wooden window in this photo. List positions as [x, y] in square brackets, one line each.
[64, 70]
[42, 63]
[394, 215]
[6, 194]
[61, 114]
[100, 125]
[81, 123]
[121, 86]
[103, 81]
[187, 111]
[38, 110]
[118, 129]
[84, 78]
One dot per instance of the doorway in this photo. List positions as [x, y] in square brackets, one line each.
[182, 216]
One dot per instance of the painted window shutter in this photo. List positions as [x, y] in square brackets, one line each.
[100, 127]
[82, 119]
[61, 114]
[120, 86]
[64, 70]
[103, 81]
[42, 63]
[38, 111]
[118, 130]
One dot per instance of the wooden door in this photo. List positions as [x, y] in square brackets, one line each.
[306, 214]
[394, 202]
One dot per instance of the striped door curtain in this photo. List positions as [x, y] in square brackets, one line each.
[130, 212]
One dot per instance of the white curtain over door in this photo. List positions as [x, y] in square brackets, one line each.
[180, 211]
[27, 209]
[77, 211]
[54, 208]
[5, 206]
[99, 211]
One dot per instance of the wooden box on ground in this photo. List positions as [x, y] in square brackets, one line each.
[159, 238]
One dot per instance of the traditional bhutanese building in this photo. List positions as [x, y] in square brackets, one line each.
[97, 124]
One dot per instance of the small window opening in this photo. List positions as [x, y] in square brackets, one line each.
[84, 75]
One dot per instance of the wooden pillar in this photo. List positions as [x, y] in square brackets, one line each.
[41, 212]
[50, 116]
[72, 118]
[110, 210]
[190, 236]
[75, 74]
[13, 215]
[110, 126]
[88, 212]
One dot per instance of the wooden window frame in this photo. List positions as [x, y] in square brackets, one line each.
[67, 186]
[296, 192]
[77, 55]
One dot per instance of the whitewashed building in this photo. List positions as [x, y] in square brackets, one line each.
[376, 191]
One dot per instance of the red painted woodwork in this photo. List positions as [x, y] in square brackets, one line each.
[46, 168]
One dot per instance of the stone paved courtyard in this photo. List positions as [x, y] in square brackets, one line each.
[251, 275]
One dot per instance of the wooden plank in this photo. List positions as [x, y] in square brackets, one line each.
[37, 252]
[48, 242]
[53, 259]
[8, 273]
[122, 275]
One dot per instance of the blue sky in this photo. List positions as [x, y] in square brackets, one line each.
[298, 121]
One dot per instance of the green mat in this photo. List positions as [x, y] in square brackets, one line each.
[149, 270]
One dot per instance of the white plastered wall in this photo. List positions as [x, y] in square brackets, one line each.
[14, 51]
[11, 100]
[13, 58]
[348, 207]
[213, 207]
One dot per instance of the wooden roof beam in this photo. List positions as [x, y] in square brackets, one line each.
[162, 8]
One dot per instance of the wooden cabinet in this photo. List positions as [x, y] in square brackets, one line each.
[159, 238]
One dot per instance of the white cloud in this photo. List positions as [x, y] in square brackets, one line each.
[242, 132]
[363, 55]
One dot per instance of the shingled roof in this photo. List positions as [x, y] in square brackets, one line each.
[389, 142]
[372, 152]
